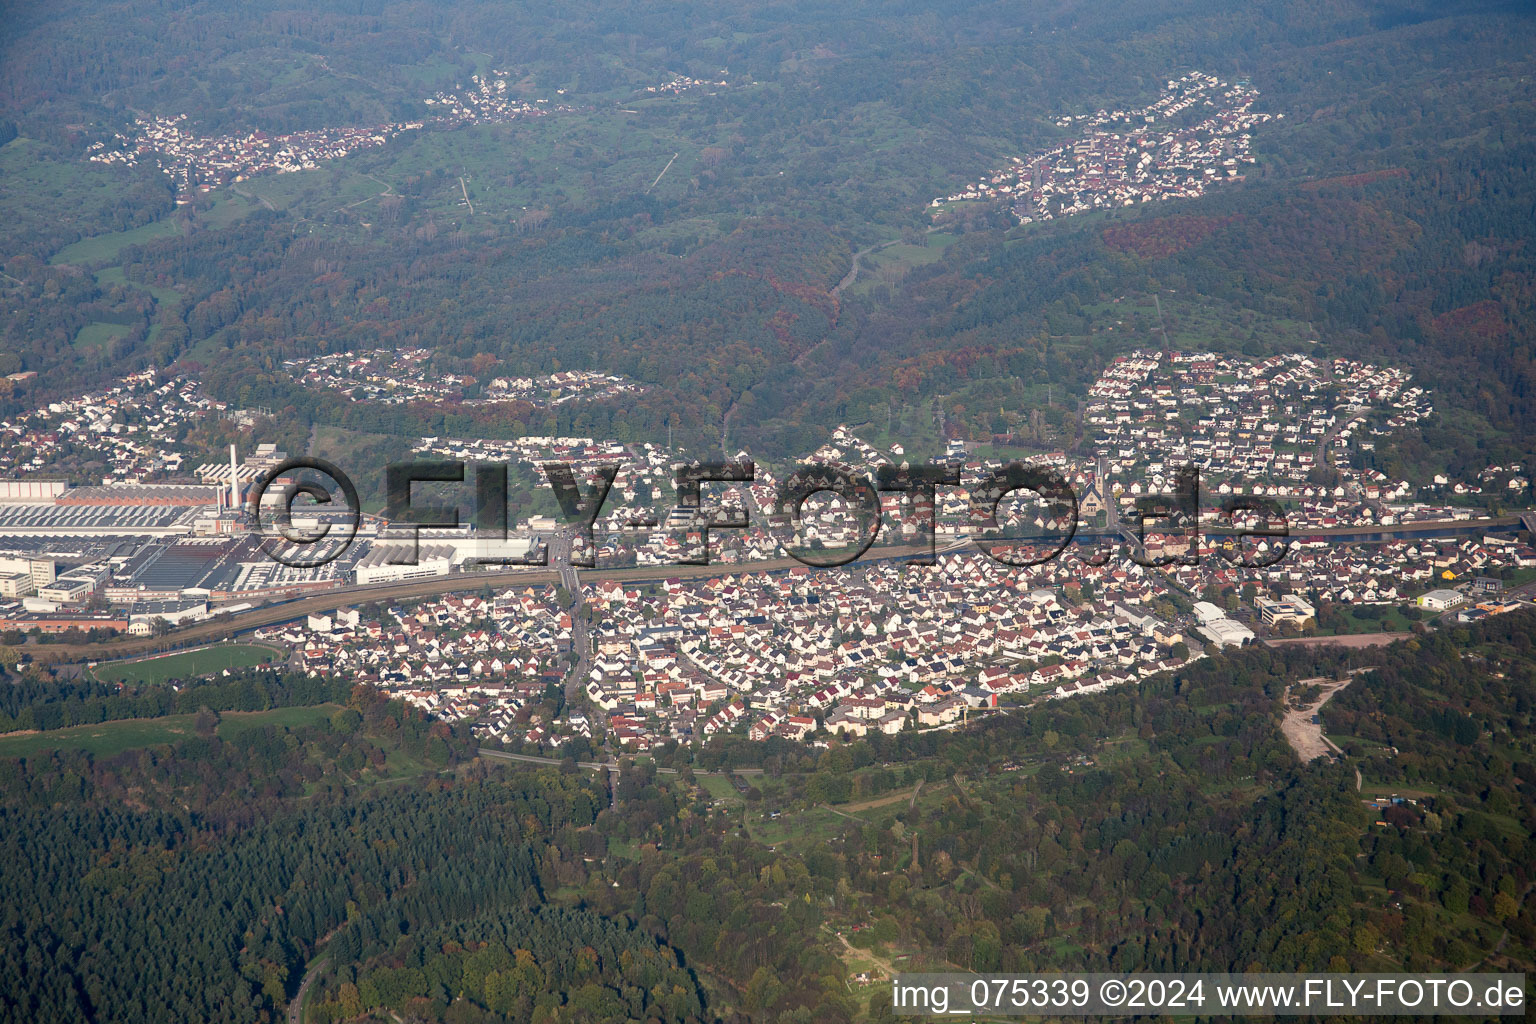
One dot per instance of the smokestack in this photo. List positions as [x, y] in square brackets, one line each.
[234, 479]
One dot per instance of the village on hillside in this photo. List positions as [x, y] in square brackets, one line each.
[1198, 133]
[198, 164]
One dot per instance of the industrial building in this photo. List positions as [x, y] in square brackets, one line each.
[386, 563]
[22, 576]
[1218, 629]
[1441, 600]
[145, 495]
[59, 520]
[44, 491]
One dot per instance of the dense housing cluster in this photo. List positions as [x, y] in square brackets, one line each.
[398, 376]
[134, 426]
[679, 84]
[463, 658]
[199, 163]
[1197, 133]
[1264, 427]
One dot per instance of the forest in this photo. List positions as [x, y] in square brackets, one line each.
[192, 881]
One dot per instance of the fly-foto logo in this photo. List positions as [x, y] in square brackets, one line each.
[312, 540]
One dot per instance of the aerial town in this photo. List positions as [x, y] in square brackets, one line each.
[1197, 133]
[765, 646]
[198, 164]
[885, 647]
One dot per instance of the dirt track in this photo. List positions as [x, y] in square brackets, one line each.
[1305, 736]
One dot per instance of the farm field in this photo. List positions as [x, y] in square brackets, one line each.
[223, 210]
[184, 665]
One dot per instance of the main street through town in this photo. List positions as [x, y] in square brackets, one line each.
[560, 545]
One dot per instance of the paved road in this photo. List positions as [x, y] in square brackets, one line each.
[581, 640]
[853, 271]
[247, 195]
[1526, 592]
[296, 1007]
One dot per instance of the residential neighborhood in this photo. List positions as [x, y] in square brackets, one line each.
[1261, 427]
[784, 653]
[1199, 132]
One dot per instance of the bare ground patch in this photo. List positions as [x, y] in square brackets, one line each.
[1303, 734]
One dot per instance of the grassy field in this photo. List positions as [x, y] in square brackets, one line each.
[224, 210]
[318, 189]
[1204, 325]
[233, 723]
[1391, 620]
[1519, 578]
[891, 264]
[719, 787]
[911, 425]
[101, 248]
[98, 334]
[110, 277]
[862, 806]
[46, 193]
[539, 162]
[800, 829]
[184, 665]
[168, 301]
[103, 740]
[110, 738]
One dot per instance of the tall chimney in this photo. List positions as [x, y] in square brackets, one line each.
[234, 479]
